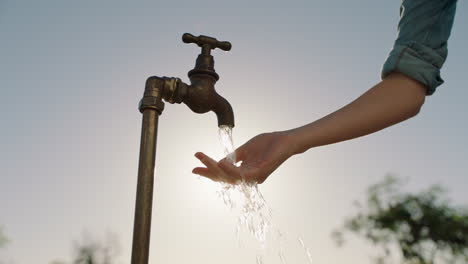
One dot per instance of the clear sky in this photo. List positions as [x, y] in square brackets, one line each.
[71, 76]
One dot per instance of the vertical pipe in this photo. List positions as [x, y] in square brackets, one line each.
[144, 196]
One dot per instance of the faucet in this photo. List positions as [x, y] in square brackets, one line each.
[201, 97]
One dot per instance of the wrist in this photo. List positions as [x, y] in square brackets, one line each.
[294, 142]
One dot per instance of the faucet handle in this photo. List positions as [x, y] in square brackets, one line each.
[206, 43]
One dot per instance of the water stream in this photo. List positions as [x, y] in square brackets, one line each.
[255, 215]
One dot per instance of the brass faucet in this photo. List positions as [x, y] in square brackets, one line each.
[201, 97]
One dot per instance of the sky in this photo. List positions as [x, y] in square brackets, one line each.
[72, 74]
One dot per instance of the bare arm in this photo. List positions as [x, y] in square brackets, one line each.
[391, 101]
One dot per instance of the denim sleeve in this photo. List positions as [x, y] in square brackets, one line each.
[421, 46]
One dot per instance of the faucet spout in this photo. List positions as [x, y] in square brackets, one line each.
[202, 97]
[223, 111]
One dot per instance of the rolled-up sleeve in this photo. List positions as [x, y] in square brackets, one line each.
[420, 49]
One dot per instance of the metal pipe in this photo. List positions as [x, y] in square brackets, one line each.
[201, 98]
[144, 196]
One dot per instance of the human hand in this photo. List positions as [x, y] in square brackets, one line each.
[260, 156]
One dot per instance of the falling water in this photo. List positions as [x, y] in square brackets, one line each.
[255, 214]
[307, 251]
[225, 137]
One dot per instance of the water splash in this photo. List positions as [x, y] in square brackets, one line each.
[259, 259]
[281, 256]
[307, 251]
[255, 215]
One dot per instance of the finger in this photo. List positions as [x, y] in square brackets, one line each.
[202, 171]
[209, 162]
[217, 177]
[215, 172]
[211, 177]
[205, 172]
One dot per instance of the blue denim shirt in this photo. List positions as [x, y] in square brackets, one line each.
[420, 49]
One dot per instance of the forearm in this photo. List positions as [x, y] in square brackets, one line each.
[391, 101]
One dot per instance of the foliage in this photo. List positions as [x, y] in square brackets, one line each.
[424, 227]
[89, 251]
[3, 238]
[57, 262]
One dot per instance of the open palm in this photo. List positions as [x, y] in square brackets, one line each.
[260, 156]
